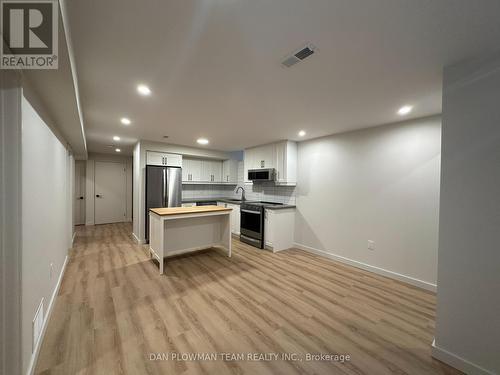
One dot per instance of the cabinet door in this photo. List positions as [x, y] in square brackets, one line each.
[225, 170]
[195, 170]
[247, 162]
[280, 152]
[236, 219]
[206, 171]
[230, 171]
[185, 170]
[263, 157]
[172, 160]
[268, 228]
[154, 158]
[217, 171]
[233, 172]
[268, 155]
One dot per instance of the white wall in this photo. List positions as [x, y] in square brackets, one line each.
[379, 184]
[46, 217]
[468, 314]
[89, 183]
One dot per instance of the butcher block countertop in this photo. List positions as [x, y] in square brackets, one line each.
[187, 210]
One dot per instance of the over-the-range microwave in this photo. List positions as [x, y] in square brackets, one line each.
[257, 175]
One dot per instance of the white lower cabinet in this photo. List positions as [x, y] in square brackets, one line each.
[279, 228]
[235, 216]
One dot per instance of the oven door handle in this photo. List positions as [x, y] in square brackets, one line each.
[251, 212]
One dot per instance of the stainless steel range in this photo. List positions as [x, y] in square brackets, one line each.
[252, 222]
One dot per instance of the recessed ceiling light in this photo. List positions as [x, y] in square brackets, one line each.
[202, 141]
[118, 150]
[302, 133]
[116, 138]
[143, 90]
[404, 110]
[125, 121]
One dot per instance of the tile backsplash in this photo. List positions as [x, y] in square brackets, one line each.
[258, 192]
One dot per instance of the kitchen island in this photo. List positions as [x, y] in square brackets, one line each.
[178, 230]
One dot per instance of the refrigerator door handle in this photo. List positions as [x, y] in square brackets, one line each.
[165, 201]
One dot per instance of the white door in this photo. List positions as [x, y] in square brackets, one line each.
[110, 192]
[79, 192]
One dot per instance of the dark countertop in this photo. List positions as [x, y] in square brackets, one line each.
[279, 206]
[217, 199]
[238, 202]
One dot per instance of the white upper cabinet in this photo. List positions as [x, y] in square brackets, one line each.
[217, 171]
[286, 163]
[209, 171]
[161, 158]
[281, 156]
[230, 171]
[264, 157]
[191, 171]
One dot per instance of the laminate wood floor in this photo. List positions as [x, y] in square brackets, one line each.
[114, 313]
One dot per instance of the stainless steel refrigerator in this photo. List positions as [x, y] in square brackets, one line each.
[163, 189]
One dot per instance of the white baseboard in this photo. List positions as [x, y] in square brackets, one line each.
[458, 362]
[73, 238]
[140, 242]
[380, 271]
[36, 352]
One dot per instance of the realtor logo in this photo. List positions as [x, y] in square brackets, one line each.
[29, 34]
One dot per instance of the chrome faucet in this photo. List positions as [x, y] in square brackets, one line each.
[242, 193]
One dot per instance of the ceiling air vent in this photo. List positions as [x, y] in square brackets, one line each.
[299, 55]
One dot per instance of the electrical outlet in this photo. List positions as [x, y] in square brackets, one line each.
[371, 245]
[51, 270]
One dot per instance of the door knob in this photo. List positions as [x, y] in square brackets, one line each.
[98, 196]
[80, 198]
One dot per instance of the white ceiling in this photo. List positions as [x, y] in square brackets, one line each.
[214, 65]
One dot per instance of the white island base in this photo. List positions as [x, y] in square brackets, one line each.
[179, 230]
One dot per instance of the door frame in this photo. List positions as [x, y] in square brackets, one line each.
[124, 164]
